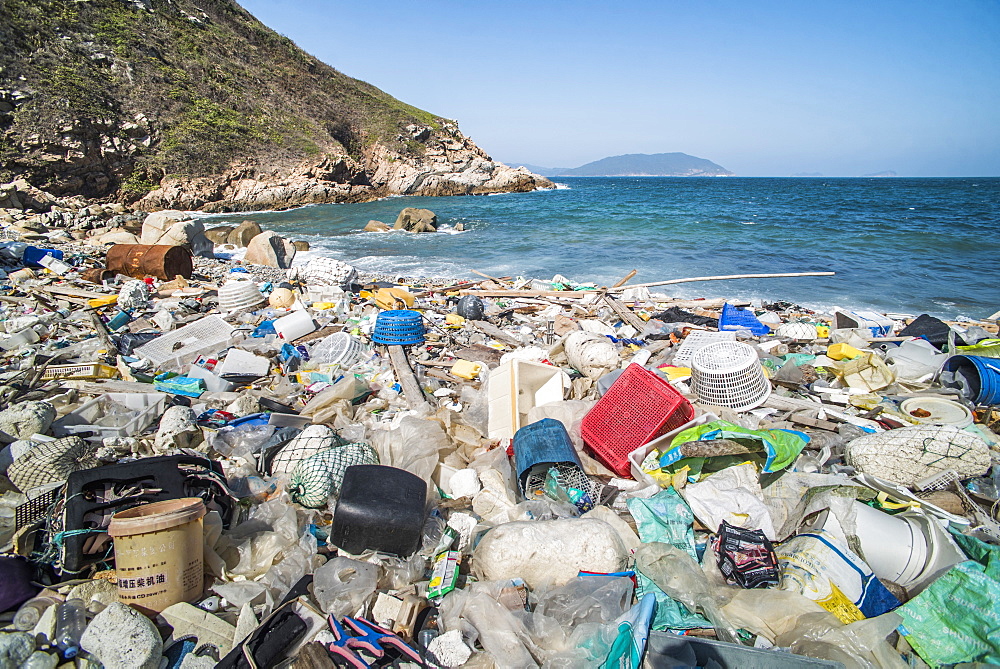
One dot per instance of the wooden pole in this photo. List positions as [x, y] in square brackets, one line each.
[625, 279]
[412, 391]
[722, 278]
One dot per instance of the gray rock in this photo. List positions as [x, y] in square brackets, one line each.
[116, 237]
[178, 429]
[300, 245]
[27, 418]
[15, 648]
[243, 234]
[157, 223]
[122, 638]
[270, 249]
[220, 234]
[412, 219]
[376, 226]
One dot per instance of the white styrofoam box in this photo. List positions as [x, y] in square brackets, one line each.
[636, 457]
[879, 324]
[148, 407]
[517, 386]
[241, 362]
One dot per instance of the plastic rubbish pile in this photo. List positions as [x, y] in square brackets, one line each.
[326, 470]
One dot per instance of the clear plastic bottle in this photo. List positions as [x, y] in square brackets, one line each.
[71, 621]
[31, 612]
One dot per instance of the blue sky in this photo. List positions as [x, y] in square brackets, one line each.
[764, 89]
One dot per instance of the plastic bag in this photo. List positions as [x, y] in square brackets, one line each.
[342, 585]
[416, 445]
[586, 599]
[680, 577]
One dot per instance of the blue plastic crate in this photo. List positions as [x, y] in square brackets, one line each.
[734, 318]
[399, 327]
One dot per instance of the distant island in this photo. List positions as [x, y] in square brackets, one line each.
[638, 165]
[807, 174]
[887, 173]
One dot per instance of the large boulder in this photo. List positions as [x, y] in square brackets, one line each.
[117, 236]
[412, 219]
[156, 224]
[376, 226]
[175, 229]
[270, 249]
[220, 234]
[243, 234]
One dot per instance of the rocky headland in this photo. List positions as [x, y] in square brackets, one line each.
[177, 105]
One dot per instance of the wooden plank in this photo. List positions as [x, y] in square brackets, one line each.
[625, 279]
[480, 353]
[802, 419]
[624, 313]
[496, 333]
[412, 392]
[73, 292]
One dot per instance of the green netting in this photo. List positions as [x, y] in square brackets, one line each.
[318, 478]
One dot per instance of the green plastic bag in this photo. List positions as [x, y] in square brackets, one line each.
[956, 619]
[665, 517]
[781, 446]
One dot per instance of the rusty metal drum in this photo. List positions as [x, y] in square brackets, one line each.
[160, 260]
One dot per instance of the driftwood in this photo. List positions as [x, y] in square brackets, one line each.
[671, 282]
[412, 391]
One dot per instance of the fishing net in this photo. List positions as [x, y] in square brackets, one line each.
[319, 477]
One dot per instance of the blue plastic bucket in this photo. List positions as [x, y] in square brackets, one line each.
[543, 442]
[32, 254]
[981, 376]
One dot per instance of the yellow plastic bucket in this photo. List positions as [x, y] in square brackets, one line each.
[158, 553]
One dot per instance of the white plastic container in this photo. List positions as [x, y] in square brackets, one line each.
[340, 348]
[294, 325]
[696, 340]
[147, 408]
[942, 411]
[878, 324]
[241, 362]
[636, 457]
[517, 386]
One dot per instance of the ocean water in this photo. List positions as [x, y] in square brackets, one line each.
[901, 245]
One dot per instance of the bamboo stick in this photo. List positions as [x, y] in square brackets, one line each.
[670, 282]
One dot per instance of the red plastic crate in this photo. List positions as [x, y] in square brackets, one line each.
[637, 408]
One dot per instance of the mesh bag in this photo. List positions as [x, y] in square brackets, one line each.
[909, 455]
[309, 442]
[319, 477]
[51, 462]
[328, 271]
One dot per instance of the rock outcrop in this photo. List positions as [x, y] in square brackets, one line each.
[114, 100]
[412, 219]
[176, 228]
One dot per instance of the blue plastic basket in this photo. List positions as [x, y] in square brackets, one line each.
[734, 318]
[399, 327]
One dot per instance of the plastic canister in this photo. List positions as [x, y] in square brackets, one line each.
[158, 553]
[294, 325]
[466, 370]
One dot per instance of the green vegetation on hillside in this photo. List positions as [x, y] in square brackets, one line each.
[209, 84]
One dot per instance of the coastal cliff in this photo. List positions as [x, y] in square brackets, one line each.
[197, 105]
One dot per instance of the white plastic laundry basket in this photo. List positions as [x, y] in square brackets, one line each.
[729, 374]
[239, 295]
[340, 348]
